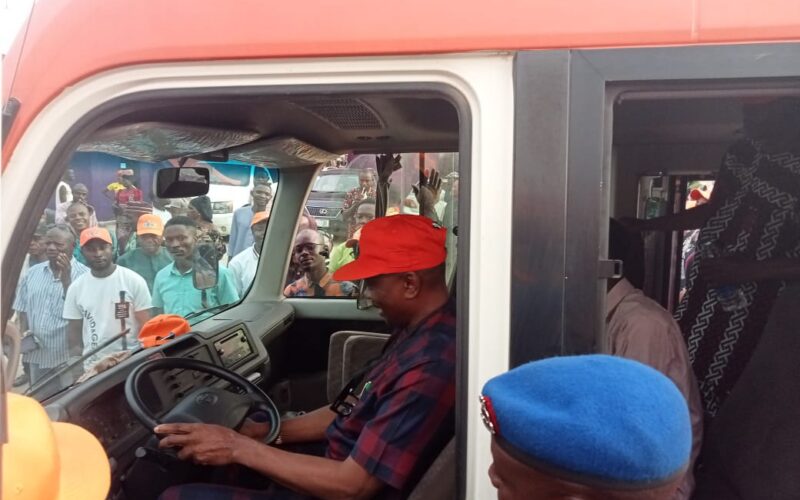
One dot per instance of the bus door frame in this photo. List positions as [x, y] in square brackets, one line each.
[562, 162]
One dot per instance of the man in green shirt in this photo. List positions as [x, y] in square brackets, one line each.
[343, 254]
[150, 257]
[173, 288]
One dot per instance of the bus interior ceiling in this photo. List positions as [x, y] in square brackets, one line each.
[349, 122]
[669, 137]
[682, 129]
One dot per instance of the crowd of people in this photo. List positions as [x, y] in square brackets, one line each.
[87, 287]
[114, 276]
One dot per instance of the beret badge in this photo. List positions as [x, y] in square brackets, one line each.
[487, 414]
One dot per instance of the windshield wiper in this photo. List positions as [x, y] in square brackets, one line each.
[35, 388]
[212, 309]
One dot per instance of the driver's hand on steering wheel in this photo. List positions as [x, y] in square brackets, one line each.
[205, 444]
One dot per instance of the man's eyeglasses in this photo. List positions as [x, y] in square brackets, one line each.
[362, 301]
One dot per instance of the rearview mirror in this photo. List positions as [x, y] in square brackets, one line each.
[182, 182]
[205, 266]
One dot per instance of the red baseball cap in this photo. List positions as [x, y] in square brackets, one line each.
[396, 244]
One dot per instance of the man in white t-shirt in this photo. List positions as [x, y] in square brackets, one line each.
[243, 266]
[103, 303]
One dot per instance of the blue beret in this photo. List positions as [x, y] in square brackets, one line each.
[598, 420]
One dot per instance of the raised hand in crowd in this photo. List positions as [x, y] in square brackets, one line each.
[427, 193]
[64, 269]
[386, 166]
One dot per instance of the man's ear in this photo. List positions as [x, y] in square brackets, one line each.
[411, 285]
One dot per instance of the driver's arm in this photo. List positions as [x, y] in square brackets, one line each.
[308, 427]
[303, 429]
[315, 476]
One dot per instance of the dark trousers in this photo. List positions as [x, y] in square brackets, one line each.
[238, 483]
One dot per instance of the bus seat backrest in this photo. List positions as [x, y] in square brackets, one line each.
[439, 481]
[349, 351]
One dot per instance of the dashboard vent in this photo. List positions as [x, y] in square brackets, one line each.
[342, 112]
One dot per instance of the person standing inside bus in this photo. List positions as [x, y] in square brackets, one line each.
[241, 236]
[747, 250]
[150, 256]
[40, 302]
[638, 328]
[105, 302]
[591, 427]
[243, 266]
[173, 287]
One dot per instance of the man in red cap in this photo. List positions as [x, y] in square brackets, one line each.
[387, 426]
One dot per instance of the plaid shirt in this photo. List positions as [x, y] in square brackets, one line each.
[407, 413]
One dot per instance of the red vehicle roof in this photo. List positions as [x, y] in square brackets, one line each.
[68, 40]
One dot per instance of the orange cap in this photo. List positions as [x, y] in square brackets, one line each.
[95, 233]
[157, 330]
[260, 216]
[53, 460]
[150, 224]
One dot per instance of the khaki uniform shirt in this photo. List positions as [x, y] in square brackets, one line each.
[638, 328]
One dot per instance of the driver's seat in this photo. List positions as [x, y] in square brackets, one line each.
[439, 481]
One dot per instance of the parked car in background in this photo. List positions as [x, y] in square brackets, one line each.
[328, 194]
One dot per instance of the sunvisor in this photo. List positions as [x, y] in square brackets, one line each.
[281, 152]
[157, 141]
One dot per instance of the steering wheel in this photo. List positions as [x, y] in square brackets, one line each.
[207, 405]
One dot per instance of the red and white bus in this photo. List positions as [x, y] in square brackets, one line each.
[545, 117]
